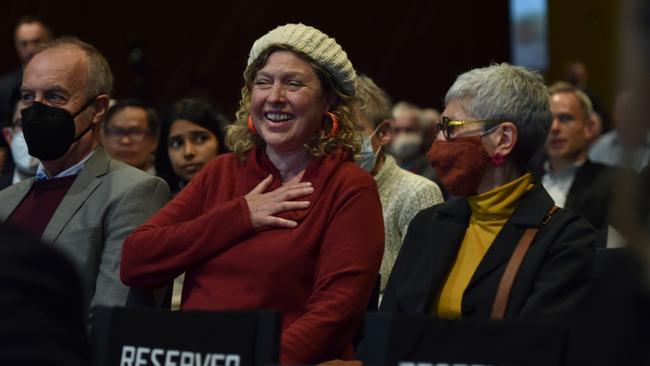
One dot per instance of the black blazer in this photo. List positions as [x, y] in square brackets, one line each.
[551, 281]
[592, 190]
[591, 193]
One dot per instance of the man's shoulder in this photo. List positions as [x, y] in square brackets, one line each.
[117, 169]
[411, 179]
[16, 187]
[593, 170]
[123, 178]
[412, 184]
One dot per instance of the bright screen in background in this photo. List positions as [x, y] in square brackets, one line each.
[529, 33]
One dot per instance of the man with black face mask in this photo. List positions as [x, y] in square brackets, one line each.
[80, 200]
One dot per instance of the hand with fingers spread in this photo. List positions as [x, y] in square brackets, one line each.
[263, 206]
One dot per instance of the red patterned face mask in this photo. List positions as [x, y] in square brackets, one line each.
[459, 163]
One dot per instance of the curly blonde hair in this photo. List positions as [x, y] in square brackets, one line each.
[240, 140]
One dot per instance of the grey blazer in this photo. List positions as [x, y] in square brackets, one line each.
[106, 202]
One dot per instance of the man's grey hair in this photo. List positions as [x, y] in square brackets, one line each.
[507, 93]
[373, 101]
[100, 78]
[584, 101]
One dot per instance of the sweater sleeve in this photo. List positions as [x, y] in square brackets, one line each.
[185, 232]
[346, 271]
[420, 195]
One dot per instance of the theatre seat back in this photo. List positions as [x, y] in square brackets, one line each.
[419, 340]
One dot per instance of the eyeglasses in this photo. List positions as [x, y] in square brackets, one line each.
[134, 134]
[447, 126]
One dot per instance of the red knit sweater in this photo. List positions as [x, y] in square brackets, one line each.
[319, 275]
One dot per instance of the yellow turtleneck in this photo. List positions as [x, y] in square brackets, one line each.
[490, 211]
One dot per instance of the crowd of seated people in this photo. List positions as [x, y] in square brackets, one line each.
[317, 196]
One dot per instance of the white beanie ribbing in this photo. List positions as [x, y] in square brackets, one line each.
[321, 48]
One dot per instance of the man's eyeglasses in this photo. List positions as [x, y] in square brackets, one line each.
[448, 126]
[134, 134]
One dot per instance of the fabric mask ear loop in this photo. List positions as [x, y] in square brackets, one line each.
[374, 132]
[88, 103]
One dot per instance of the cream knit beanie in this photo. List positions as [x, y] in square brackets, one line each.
[317, 45]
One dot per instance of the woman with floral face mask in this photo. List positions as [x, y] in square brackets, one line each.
[500, 248]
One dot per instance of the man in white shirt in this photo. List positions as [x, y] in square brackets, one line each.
[570, 178]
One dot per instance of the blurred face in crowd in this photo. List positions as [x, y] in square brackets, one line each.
[127, 137]
[190, 148]
[405, 123]
[288, 103]
[27, 38]
[406, 135]
[369, 157]
[576, 74]
[380, 135]
[15, 125]
[25, 163]
[571, 130]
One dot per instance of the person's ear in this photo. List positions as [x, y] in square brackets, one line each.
[384, 132]
[101, 106]
[8, 136]
[592, 127]
[506, 140]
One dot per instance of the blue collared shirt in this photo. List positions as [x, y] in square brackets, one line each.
[42, 174]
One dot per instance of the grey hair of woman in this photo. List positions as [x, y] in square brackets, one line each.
[509, 93]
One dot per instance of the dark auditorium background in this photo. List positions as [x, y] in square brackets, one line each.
[161, 51]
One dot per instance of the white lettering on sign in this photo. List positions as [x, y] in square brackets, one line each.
[155, 354]
[406, 363]
[145, 356]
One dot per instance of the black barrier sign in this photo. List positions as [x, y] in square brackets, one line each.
[145, 356]
[148, 337]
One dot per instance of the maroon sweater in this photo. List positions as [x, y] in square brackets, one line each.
[37, 208]
[319, 275]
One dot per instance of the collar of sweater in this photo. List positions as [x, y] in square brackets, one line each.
[319, 172]
[500, 202]
[386, 171]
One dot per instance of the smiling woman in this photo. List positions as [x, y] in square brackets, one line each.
[288, 221]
